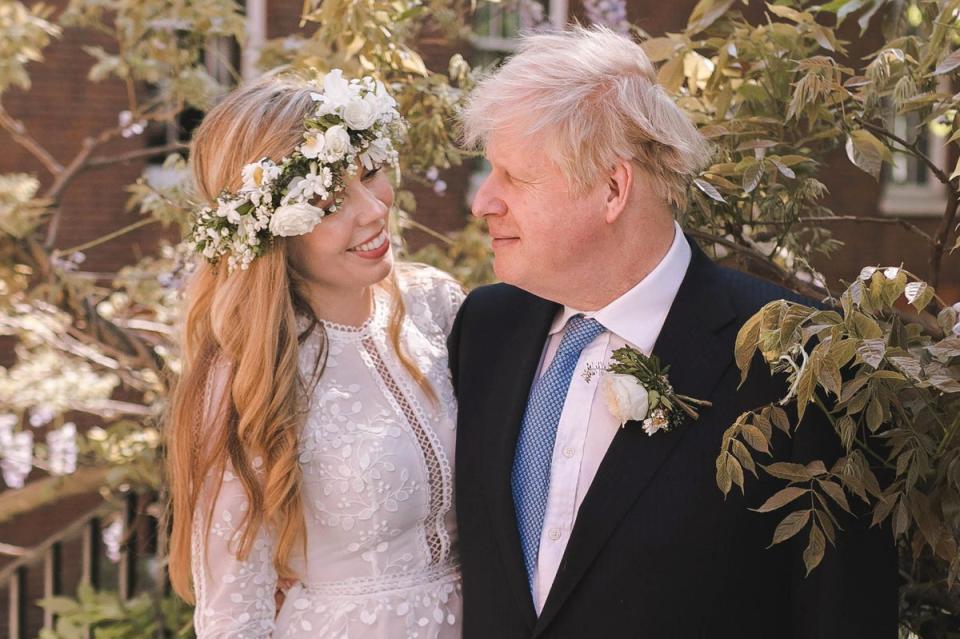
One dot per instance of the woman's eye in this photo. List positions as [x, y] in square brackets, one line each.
[369, 174]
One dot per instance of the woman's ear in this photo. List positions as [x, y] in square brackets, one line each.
[619, 185]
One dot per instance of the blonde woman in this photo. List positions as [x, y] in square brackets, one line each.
[312, 429]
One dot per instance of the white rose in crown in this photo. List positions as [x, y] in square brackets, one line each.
[625, 397]
[361, 113]
[336, 142]
[295, 219]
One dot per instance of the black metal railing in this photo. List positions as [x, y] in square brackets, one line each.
[48, 559]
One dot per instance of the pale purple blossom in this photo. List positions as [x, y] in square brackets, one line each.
[16, 458]
[608, 13]
[62, 447]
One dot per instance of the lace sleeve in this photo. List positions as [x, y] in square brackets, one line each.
[442, 294]
[235, 598]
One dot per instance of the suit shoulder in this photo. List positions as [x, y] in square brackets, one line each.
[494, 298]
[750, 293]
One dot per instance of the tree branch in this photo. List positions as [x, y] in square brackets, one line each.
[22, 137]
[856, 219]
[139, 154]
[913, 148]
[940, 239]
[804, 288]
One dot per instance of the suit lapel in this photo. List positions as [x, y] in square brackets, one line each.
[519, 357]
[698, 355]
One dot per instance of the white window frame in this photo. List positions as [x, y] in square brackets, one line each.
[919, 200]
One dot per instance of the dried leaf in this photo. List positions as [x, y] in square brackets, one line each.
[790, 526]
[782, 498]
[754, 437]
[789, 470]
[742, 453]
[779, 418]
[746, 344]
[835, 491]
[874, 415]
[724, 481]
[813, 555]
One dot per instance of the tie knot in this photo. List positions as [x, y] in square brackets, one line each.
[579, 332]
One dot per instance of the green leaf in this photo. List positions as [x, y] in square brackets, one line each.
[813, 555]
[847, 429]
[842, 351]
[829, 374]
[659, 49]
[948, 64]
[782, 498]
[783, 168]
[790, 526]
[874, 415]
[670, 76]
[871, 351]
[918, 294]
[867, 152]
[709, 189]
[751, 177]
[705, 13]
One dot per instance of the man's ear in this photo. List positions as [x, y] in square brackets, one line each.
[619, 185]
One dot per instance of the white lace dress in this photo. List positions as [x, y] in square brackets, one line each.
[377, 462]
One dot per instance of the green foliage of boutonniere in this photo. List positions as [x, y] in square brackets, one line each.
[636, 387]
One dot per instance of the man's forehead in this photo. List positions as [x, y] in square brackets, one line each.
[505, 146]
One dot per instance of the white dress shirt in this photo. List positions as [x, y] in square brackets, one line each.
[586, 426]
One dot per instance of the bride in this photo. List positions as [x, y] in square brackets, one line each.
[310, 437]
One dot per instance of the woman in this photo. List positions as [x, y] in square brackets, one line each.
[311, 433]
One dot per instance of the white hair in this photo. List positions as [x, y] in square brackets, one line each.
[591, 97]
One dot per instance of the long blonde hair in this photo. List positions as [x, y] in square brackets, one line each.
[242, 326]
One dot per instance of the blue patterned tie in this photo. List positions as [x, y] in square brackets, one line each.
[530, 479]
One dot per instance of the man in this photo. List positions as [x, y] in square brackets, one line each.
[571, 526]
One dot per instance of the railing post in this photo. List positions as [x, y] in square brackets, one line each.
[52, 582]
[127, 567]
[91, 547]
[18, 607]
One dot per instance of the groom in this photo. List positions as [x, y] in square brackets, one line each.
[570, 526]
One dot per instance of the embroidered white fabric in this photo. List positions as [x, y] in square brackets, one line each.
[376, 455]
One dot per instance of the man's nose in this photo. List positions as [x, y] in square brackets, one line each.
[486, 201]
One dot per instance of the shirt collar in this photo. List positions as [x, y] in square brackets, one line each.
[638, 315]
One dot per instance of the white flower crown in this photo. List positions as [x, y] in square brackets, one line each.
[355, 121]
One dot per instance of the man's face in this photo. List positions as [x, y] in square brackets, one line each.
[541, 234]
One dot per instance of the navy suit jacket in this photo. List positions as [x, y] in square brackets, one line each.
[656, 551]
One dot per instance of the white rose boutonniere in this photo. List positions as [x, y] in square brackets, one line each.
[635, 388]
[625, 397]
[295, 219]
